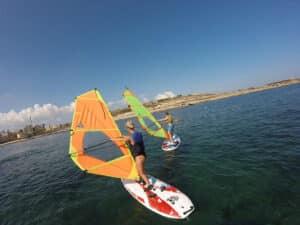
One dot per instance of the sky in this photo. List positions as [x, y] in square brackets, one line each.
[51, 51]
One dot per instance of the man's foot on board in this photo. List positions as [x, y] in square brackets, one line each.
[148, 188]
[141, 181]
[162, 188]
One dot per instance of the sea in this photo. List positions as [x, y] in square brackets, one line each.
[239, 162]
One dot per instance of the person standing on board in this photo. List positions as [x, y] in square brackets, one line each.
[169, 120]
[138, 150]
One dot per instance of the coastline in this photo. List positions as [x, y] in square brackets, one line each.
[179, 102]
[33, 137]
[192, 99]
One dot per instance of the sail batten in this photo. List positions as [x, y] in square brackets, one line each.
[91, 114]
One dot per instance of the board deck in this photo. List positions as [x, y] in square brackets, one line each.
[164, 199]
[167, 146]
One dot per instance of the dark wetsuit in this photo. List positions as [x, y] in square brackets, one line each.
[138, 148]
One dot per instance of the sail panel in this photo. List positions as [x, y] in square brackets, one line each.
[142, 114]
[92, 115]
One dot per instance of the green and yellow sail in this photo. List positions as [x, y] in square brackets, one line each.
[143, 114]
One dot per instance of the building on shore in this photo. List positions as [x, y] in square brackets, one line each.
[4, 136]
[28, 131]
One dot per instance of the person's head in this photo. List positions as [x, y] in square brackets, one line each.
[129, 125]
[167, 113]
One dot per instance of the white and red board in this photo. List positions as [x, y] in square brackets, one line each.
[168, 146]
[164, 199]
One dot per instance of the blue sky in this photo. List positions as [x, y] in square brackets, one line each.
[52, 51]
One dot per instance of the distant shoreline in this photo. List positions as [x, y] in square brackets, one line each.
[192, 99]
[179, 102]
[33, 137]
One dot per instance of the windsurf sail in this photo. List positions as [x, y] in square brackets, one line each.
[91, 114]
[142, 114]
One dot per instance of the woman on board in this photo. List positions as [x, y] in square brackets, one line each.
[138, 150]
[169, 120]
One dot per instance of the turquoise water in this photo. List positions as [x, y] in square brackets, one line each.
[239, 162]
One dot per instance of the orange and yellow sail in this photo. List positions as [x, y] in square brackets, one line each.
[91, 114]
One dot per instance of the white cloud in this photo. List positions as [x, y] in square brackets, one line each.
[39, 114]
[122, 103]
[144, 99]
[166, 94]
[53, 114]
[117, 104]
